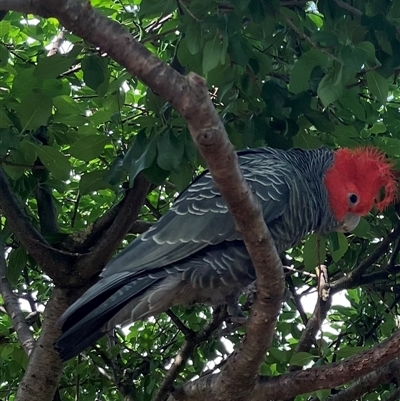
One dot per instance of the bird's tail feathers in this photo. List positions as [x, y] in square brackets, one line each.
[85, 321]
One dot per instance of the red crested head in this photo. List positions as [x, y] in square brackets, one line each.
[355, 180]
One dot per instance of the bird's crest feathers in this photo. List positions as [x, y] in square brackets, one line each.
[362, 172]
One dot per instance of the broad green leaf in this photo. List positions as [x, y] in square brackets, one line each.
[16, 263]
[369, 50]
[4, 55]
[331, 88]
[274, 95]
[339, 245]
[96, 74]
[323, 394]
[320, 121]
[53, 160]
[34, 111]
[301, 359]
[350, 100]
[66, 105]
[53, 66]
[211, 54]
[140, 156]
[88, 147]
[378, 128]
[300, 76]
[170, 151]
[363, 229]
[193, 37]
[239, 50]
[391, 146]
[14, 172]
[378, 86]
[93, 181]
[346, 352]
[5, 121]
[314, 252]
[353, 57]
[7, 351]
[8, 140]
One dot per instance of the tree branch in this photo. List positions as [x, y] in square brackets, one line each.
[297, 383]
[352, 279]
[368, 382]
[191, 342]
[349, 8]
[45, 368]
[313, 326]
[13, 308]
[92, 263]
[47, 257]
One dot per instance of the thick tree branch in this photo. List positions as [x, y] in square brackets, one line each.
[45, 368]
[47, 257]
[13, 307]
[367, 383]
[296, 383]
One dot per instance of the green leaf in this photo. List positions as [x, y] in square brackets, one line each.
[391, 146]
[323, 394]
[4, 55]
[339, 246]
[17, 261]
[96, 74]
[34, 111]
[140, 156]
[353, 57]
[211, 54]
[5, 122]
[369, 50]
[93, 181]
[116, 171]
[363, 229]
[53, 160]
[53, 66]
[194, 37]
[301, 359]
[331, 88]
[314, 251]
[350, 100]
[67, 105]
[170, 151]
[300, 76]
[345, 352]
[239, 50]
[88, 147]
[378, 86]
[320, 121]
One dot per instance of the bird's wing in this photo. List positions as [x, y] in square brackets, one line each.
[200, 217]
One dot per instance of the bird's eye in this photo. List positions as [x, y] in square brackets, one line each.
[353, 199]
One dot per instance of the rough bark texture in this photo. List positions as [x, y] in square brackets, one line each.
[297, 383]
[45, 368]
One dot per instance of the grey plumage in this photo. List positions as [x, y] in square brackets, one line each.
[194, 254]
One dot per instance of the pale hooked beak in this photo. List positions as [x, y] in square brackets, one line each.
[349, 223]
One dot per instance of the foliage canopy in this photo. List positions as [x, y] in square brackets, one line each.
[76, 130]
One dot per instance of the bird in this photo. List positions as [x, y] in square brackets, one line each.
[194, 254]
